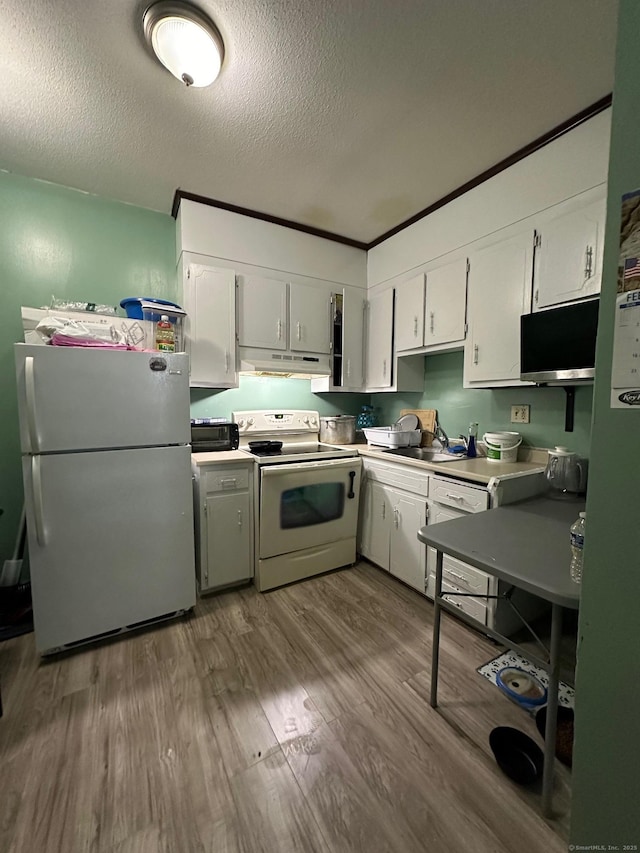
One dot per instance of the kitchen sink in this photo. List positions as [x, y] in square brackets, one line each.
[425, 454]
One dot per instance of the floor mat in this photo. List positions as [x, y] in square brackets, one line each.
[490, 670]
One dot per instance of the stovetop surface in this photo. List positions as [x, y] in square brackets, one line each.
[300, 453]
[294, 450]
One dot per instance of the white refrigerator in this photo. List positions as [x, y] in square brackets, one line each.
[106, 466]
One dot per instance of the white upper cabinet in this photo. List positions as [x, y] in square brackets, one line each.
[379, 368]
[409, 319]
[347, 342]
[278, 315]
[209, 298]
[431, 308]
[309, 312]
[569, 247]
[262, 312]
[446, 304]
[499, 293]
[353, 307]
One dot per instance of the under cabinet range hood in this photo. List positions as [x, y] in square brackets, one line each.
[298, 365]
[558, 345]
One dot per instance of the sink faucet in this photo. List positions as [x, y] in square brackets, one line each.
[441, 435]
[438, 433]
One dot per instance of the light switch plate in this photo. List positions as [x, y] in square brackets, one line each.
[520, 414]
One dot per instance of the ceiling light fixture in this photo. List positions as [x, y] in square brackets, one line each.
[185, 41]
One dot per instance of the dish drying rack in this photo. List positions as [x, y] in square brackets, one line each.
[393, 436]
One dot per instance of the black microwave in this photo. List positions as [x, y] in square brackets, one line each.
[211, 434]
[558, 345]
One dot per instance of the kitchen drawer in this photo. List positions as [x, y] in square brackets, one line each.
[456, 494]
[404, 477]
[226, 479]
[465, 577]
[471, 606]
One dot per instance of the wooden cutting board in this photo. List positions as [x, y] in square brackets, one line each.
[427, 418]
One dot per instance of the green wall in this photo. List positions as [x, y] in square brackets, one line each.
[74, 246]
[606, 803]
[491, 409]
[262, 392]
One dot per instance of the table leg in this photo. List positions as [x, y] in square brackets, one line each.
[435, 650]
[552, 710]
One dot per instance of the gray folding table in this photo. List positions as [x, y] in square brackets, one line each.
[526, 545]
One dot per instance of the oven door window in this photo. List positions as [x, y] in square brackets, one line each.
[316, 503]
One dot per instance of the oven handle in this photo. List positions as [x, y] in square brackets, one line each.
[321, 464]
[352, 476]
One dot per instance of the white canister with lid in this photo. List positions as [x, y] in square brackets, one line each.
[502, 446]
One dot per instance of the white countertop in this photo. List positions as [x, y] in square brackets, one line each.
[479, 470]
[220, 457]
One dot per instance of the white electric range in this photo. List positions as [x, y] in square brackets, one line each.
[307, 496]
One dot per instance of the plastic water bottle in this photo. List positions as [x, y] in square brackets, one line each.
[471, 441]
[577, 546]
[165, 336]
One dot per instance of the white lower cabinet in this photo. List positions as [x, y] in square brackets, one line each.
[223, 496]
[448, 499]
[451, 499]
[394, 508]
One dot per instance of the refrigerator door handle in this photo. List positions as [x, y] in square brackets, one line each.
[30, 383]
[38, 510]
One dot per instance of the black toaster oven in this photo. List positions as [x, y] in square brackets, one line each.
[211, 434]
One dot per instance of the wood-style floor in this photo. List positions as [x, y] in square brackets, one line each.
[292, 721]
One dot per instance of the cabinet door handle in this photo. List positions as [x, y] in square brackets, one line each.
[415, 327]
[348, 368]
[228, 482]
[396, 518]
[431, 324]
[384, 368]
[239, 518]
[454, 497]
[299, 331]
[279, 330]
[226, 361]
[588, 262]
[456, 575]
[475, 353]
[384, 510]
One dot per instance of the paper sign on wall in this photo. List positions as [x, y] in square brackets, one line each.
[625, 366]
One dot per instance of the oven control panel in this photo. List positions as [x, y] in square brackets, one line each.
[271, 421]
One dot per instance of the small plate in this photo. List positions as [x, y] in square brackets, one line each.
[408, 422]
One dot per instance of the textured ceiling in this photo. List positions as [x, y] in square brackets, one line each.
[347, 116]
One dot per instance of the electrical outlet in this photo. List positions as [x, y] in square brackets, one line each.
[520, 414]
